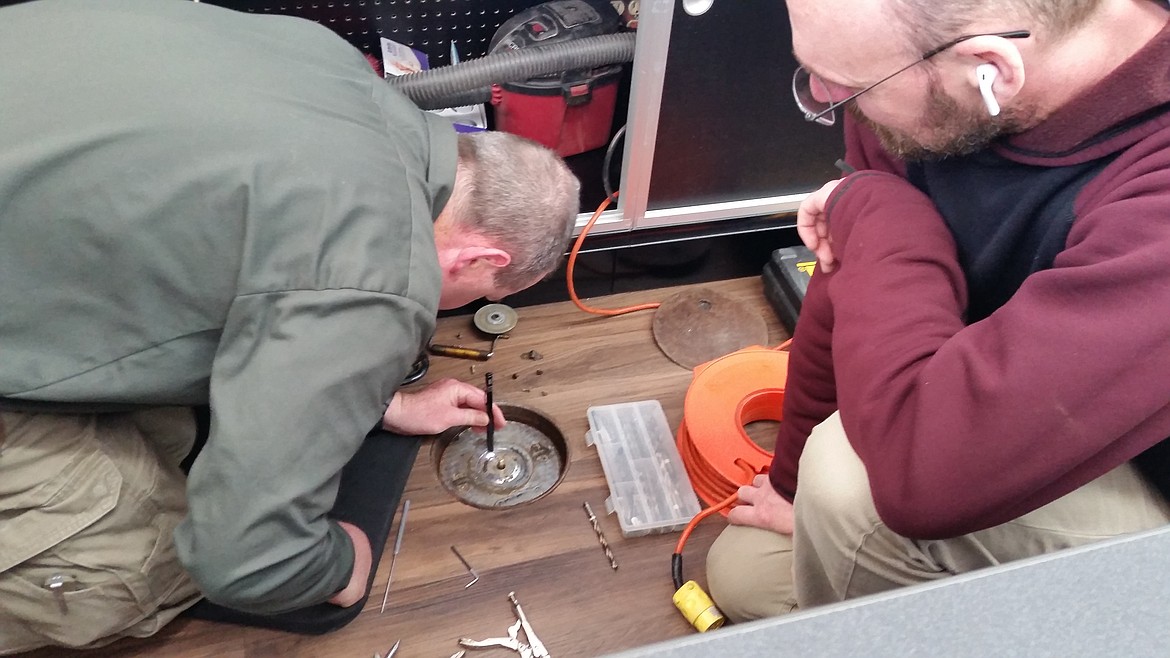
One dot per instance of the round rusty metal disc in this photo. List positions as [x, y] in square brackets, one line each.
[529, 461]
[699, 324]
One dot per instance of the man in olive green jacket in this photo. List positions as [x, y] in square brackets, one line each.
[204, 207]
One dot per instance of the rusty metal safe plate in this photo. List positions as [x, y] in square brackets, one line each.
[699, 324]
[530, 460]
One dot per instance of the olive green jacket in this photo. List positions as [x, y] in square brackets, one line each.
[204, 206]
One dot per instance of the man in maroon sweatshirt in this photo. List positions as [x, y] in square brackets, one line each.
[981, 370]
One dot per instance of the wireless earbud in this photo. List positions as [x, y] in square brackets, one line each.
[986, 73]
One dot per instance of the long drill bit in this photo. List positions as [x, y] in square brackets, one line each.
[601, 537]
[394, 557]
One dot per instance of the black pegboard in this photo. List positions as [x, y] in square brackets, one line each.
[426, 25]
[429, 26]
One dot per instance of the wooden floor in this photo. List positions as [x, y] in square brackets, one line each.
[545, 551]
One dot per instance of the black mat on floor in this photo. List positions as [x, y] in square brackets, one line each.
[371, 486]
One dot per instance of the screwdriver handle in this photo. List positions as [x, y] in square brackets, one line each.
[491, 426]
[459, 352]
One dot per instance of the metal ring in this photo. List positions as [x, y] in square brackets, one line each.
[496, 319]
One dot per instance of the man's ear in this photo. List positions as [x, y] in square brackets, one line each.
[461, 258]
[986, 52]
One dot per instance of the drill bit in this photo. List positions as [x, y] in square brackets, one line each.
[601, 537]
[394, 557]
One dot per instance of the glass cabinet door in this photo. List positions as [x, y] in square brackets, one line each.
[727, 140]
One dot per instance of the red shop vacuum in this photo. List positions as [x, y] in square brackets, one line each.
[551, 73]
[569, 112]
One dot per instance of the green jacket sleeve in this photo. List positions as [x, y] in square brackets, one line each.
[299, 379]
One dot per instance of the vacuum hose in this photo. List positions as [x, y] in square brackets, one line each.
[470, 82]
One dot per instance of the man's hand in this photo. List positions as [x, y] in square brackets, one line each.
[813, 227]
[762, 507]
[446, 403]
[362, 562]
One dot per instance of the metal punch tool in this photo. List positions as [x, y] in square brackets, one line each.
[394, 557]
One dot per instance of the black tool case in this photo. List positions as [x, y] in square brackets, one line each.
[786, 276]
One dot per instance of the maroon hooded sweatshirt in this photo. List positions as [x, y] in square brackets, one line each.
[997, 331]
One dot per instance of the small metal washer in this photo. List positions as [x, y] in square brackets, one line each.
[496, 319]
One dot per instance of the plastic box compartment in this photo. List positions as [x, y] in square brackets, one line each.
[648, 485]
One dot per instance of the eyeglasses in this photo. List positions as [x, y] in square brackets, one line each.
[824, 113]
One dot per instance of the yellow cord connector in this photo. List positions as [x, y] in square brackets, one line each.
[697, 607]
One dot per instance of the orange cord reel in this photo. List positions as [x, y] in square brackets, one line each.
[725, 395]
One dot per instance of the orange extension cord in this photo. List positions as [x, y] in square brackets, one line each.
[718, 486]
[573, 263]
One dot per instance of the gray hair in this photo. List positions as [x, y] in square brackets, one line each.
[929, 23]
[521, 196]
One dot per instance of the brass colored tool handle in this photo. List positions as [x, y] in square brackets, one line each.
[459, 352]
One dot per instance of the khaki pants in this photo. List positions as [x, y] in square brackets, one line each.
[841, 549]
[87, 507]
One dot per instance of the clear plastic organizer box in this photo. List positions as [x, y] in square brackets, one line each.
[648, 485]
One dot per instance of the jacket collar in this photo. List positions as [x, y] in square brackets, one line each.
[1113, 114]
